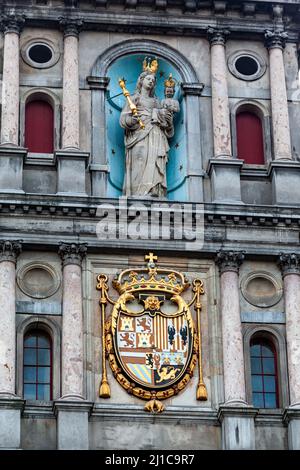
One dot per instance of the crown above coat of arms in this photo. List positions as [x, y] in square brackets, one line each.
[150, 66]
[152, 278]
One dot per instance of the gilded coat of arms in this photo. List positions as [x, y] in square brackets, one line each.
[150, 339]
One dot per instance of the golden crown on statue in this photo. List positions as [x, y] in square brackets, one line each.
[150, 65]
[170, 83]
[152, 278]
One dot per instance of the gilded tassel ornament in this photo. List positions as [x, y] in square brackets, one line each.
[201, 388]
[104, 391]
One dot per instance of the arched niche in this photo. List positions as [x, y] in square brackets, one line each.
[184, 171]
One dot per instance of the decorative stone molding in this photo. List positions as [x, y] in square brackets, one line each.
[229, 260]
[289, 263]
[70, 27]
[12, 23]
[48, 280]
[192, 88]
[217, 36]
[72, 253]
[275, 39]
[9, 250]
[98, 83]
[270, 291]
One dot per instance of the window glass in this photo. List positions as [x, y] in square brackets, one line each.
[37, 368]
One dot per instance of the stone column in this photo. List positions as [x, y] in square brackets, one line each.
[290, 266]
[224, 171]
[219, 92]
[71, 162]
[236, 417]
[283, 170]
[70, 111]
[233, 356]
[72, 326]
[275, 42]
[72, 410]
[10, 404]
[12, 26]
[11, 157]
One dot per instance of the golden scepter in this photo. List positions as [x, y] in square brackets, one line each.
[201, 388]
[102, 286]
[132, 106]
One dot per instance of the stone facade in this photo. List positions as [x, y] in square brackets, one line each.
[50, 254]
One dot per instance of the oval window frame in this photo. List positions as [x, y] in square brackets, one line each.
[261, 63]
[40, 42]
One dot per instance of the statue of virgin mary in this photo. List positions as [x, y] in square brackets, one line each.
[146, 147]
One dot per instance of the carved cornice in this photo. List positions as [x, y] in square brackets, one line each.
[217, 36]
[229, 260]
[10, 250]
[289, 263]
[192, 88]
[98, 83]
[275, 39]
[70, 27]
[12, 23]
[72, 253]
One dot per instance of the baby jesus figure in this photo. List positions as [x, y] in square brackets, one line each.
[169, 102]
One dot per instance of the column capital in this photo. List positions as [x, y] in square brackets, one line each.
[10, 250]
[229, 260]
[217, 35]
[289, 263]
[70, 27]
[12, 23]
[275, 39]
[72, 253]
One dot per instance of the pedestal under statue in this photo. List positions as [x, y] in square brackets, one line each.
[148, 125]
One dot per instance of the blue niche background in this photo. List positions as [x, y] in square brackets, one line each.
[130, 68]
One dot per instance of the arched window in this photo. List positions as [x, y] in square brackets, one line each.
[37, 366]
[264, 373]
[250, 142]
[39, 126]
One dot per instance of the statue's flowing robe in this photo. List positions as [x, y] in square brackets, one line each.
[146, 149]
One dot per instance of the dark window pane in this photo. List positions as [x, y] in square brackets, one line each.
[43, 342]
[44, 374]
[30, 341]
[269, 366]
[255, 350]
[269, 384]
[267, 351]
[257, 384]
[29, 392]
[256, 365]
[29, 357]
[30, 374]
[258, 400]
[270, 400]
[44, 357]
[43, 392]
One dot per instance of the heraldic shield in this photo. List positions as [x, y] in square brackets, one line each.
[150, 338]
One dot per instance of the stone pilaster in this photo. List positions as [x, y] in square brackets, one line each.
[236, 416]
[99, 163]
[72, 335]
[10, 404]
